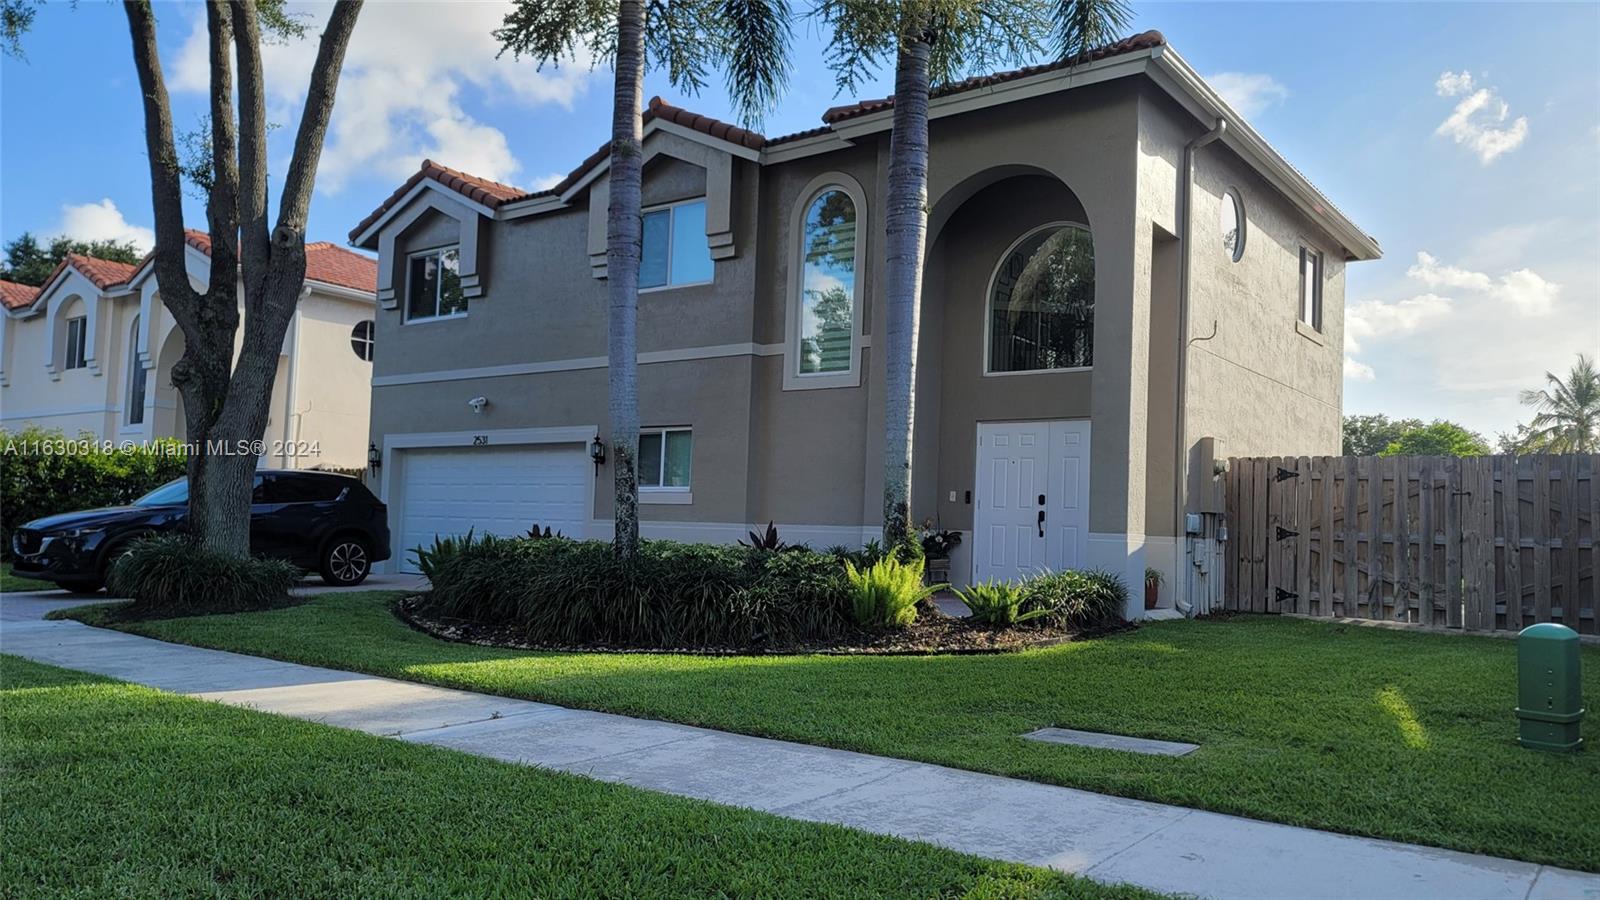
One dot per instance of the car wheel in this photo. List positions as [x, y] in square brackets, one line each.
[346, 562]
[86, 586]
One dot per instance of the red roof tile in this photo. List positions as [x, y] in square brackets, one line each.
[330, 263]
[481, 190]
[1146, 41]
[16, 296]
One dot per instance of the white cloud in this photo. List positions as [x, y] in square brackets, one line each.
[546, 182]
[400, 94]
[1249, 93]
[1377, 319]
[1432, 273]
[102, 222]
[1527, 292]
[1479, 120]
[1358, 371]
[1452, 83]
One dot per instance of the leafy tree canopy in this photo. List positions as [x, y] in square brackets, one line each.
[1439, 438]
[29, 262]
[1371, 435]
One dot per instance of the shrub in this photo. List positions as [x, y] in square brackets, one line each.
[1076, 599]
[167, 574]
[428, 559]
[44, 473]
[564, 591]
[886, 594]
[998, 603]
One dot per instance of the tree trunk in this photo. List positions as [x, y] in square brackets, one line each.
[226, 399]
[623, 248]
[906, 225]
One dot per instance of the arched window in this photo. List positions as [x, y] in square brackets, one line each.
[828, 283]
[136, 377]
[1231, 223]
[1041, 302]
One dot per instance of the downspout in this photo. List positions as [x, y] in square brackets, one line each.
[1180, 451]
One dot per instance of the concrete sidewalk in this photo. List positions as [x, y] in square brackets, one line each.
[1110, 839]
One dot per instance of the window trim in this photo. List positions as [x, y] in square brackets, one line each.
[794, 252]
[81, 345]
[671, 233]
[1313, 308]
[988, 300]
[405, 301]
[665, 491]
[1241, 218]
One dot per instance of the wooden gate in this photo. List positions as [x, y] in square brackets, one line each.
[1482, 543]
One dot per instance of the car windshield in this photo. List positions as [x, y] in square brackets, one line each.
[168, 494]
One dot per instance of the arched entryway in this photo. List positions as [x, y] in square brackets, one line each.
[167, 414]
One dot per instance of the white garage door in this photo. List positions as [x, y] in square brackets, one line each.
[491, 490]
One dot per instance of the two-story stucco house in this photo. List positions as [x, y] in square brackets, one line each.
[1123, 281]
[92, 350]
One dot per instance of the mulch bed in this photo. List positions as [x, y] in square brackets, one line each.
[934, 632]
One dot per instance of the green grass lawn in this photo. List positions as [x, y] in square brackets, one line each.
[10, 582]
[118, 790]
[1361, 730]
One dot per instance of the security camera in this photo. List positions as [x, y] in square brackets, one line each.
[478, 403]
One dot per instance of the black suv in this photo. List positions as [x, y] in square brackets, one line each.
[316, 520]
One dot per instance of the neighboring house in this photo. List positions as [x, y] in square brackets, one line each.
[1056, 290]
[92, 350]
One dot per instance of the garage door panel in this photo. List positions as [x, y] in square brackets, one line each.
[498, 490]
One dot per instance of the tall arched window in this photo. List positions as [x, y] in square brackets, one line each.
[136, 377]
[828, 283]
[1041, 302]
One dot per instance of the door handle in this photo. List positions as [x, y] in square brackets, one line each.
[1041, 523]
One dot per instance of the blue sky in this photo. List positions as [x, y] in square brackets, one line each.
[1464, 136]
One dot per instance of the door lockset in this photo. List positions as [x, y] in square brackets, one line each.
[1041, 523]
[1041, 499]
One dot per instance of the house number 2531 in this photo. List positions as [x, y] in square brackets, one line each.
[480, 440]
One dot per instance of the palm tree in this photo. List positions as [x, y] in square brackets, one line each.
[1568, 412]
[749, 41]
[935, 42]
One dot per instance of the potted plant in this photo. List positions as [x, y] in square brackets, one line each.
[1152, 587]
[936, 546]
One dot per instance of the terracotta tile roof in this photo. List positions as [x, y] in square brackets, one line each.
[490, 193]
[330, 263]
[1146, 41]
[103, 273]
[16, 296]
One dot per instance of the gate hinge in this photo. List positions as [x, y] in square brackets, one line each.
[1285, 474]
[1286, 533]
[1286, 595]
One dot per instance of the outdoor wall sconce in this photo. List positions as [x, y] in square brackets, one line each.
[597, 452]
[374, 458]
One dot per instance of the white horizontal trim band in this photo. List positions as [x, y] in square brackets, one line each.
[685, 354]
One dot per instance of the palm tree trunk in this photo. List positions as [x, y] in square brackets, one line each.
[905, 235]
[623, 240]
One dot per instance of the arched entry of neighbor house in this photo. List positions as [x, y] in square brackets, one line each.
[168, 415]
[1009, 303]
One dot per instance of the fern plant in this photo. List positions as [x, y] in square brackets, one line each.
[886, 594]
[998, 603]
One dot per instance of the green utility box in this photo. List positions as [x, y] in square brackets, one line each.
[1549, 688]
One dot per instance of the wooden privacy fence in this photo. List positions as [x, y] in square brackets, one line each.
[1488, 543]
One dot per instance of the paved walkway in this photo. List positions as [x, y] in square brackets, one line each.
[1110, 839]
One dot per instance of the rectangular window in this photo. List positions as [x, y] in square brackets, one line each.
[433, 285]
[674, 250]
[1311, 287]
[665, 455]
[77, 342]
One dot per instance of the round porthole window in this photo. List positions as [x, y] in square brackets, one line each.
[361, 339]
[1232, 225]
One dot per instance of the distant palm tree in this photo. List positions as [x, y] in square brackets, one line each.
[936, 42]
[749, 41]
[1568, 417]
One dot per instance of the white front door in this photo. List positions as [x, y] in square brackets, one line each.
[1031, 500]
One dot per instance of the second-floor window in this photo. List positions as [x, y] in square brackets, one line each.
[1041, 303]
[361, 339]
[433, 285]
[77, 342]
[675, 251]
[828, 283]
[1311, 287]
[136, 377]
